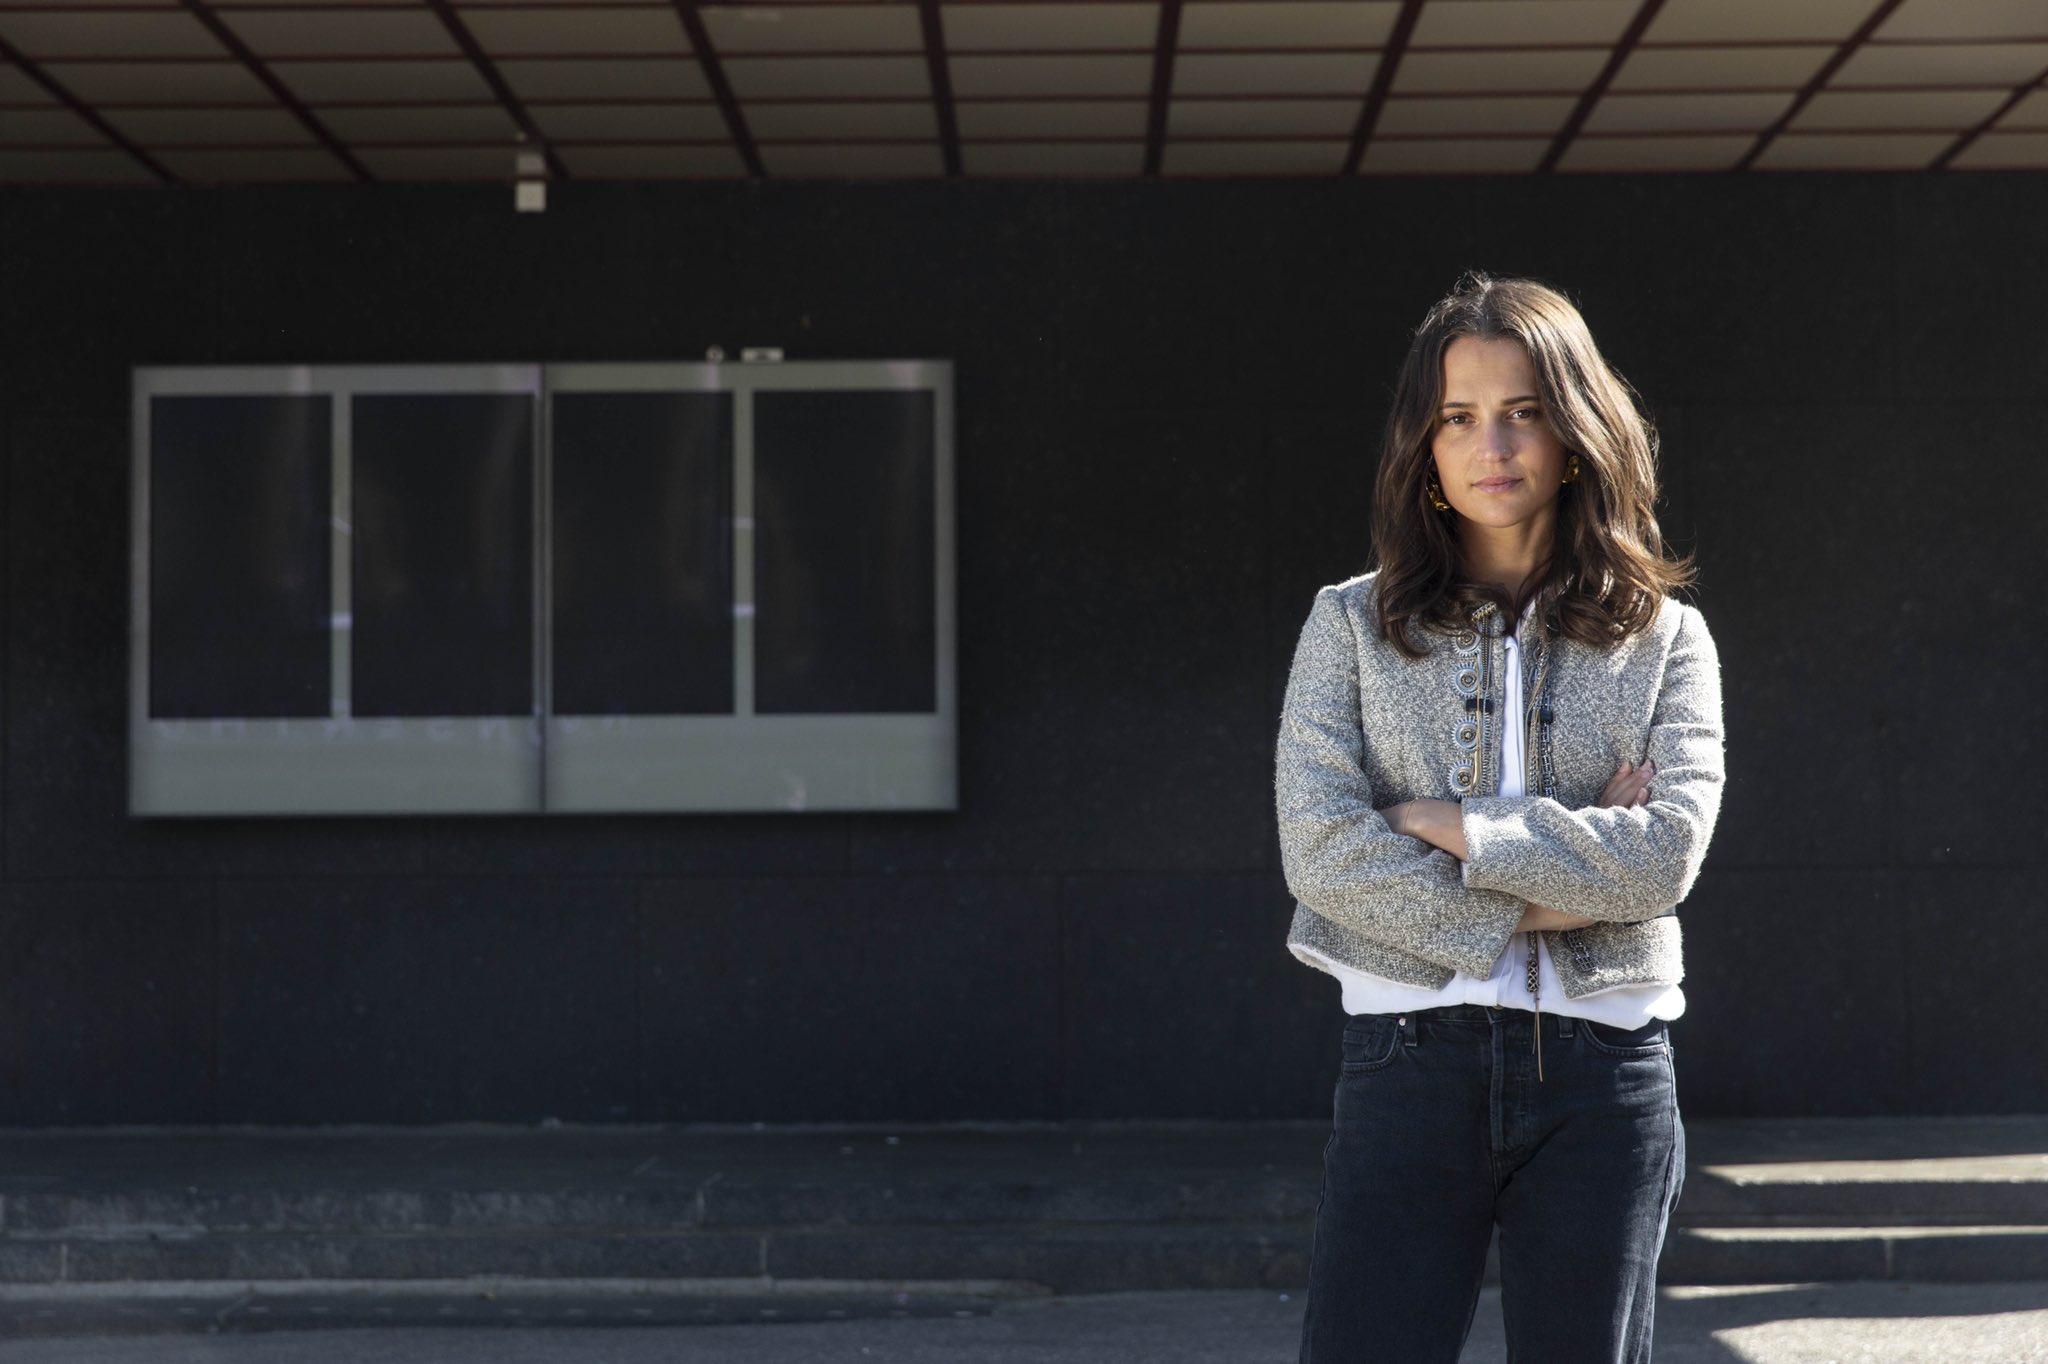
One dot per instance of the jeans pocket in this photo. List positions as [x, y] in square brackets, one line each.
[1652, 1039]
[1370, 1041]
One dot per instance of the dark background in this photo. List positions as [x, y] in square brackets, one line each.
[1168, 399]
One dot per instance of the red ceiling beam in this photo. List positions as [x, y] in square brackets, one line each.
[1583, 110]
[514, 108]
[1382, 83]
[260, 69]
[62, 93]
[1163, 48]
[942, 83]
[1819, 81]
[1962, 144]
[721, 88]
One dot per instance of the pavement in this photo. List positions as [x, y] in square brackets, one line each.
[1852, 1323]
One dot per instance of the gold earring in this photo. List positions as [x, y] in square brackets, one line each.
[1436, 494]
[1571, 470]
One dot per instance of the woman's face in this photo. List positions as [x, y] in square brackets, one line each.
[1497, 459]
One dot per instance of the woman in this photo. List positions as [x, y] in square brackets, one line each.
[1499, 765]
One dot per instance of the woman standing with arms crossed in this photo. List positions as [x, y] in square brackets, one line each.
[1499, 765]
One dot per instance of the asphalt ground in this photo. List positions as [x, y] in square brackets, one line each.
[1843, 1323]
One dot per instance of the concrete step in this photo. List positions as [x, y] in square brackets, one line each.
[1065, 1208]
[1096, 1257]
[207, 1308]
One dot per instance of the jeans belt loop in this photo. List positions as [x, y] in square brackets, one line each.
[1565, 1023]
[1406, 1023]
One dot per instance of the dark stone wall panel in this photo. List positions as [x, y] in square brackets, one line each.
[1182, 1001]
[855, 998]
[1972, 264]
[1970, 930]
[1113, 703]
[1801, 587]
[106, 1003]
[1795, 994]
[1169, 404]
[426, 1001]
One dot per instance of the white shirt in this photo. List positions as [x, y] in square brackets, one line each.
[1507, 985]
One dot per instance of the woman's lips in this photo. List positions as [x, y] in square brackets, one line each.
[1498, 484]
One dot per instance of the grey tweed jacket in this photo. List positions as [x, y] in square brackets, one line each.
[1364, 728]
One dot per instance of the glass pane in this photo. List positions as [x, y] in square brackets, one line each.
[239, 601]
[642, 553]
[443, 564]
[844, 541]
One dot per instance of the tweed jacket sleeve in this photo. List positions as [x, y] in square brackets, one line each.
[1619, 865]
[1340, 858]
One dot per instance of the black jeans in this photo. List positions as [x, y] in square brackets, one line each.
[1443, 1132]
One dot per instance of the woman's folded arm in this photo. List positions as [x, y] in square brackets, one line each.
[1618, 864]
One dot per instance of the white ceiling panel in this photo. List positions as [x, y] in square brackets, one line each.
[550, 31]
[44, 36]
[2005, 151]
[54, 124]
[1054, 160]
[572, 78]
[1654, 153]
[441, 163]
[813, 28]
[2006, 64]
[654, 163]
[81, 167]
[1255, 158]
[1286, 23]
[271, 33]
[1263, 118]
[628, 122]
[1331, 73]
[460, 123]
[1957, 109]
[1049, 119]
[276, 165]
[1967, 19]
[1709, 21]
[1488, 23]
[822, 77]
[1499, 73]
[241, 127]
[970, 28]
[1461, 156]
[2031, 112]
[382, 82]
[808, 122]
[857, 161]
[1721, 68]
[1533, 114]
[209, 82]
[1686, 113]
[1852, 152]
[1050, 75]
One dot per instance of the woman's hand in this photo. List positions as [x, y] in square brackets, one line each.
[1630, 785]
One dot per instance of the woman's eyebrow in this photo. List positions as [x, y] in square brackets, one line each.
[1504, 402]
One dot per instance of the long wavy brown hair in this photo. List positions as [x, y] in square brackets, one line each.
[1609, 569]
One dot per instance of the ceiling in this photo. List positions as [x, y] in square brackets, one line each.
[240, 91]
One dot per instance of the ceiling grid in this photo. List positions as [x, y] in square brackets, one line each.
[272, 91]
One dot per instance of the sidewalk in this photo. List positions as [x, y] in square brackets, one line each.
[1828, 1324]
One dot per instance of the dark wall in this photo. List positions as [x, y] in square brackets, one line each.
[1168, 396]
